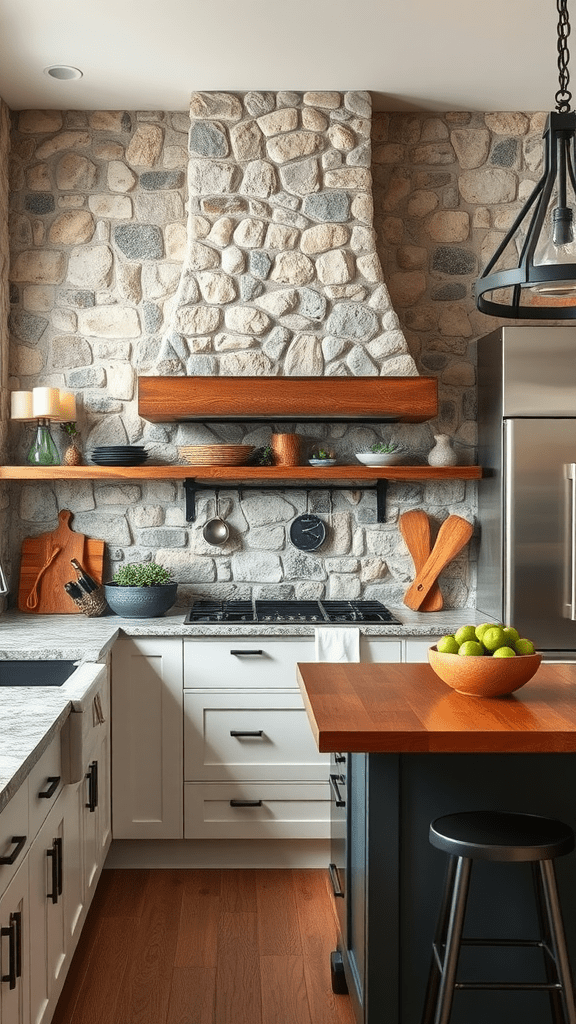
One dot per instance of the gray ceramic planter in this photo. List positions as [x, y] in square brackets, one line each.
[140, 602]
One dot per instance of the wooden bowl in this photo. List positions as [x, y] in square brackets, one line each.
[483, 676]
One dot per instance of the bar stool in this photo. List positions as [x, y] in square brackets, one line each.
[499, 836]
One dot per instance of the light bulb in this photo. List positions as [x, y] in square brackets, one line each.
[560, 249]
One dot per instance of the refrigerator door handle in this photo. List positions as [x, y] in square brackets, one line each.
[570, 605]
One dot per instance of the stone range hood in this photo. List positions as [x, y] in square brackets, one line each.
[281, 275]
[306, 399]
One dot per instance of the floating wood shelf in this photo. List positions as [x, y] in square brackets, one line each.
[240, 473]
[197, 478]
[205, 399]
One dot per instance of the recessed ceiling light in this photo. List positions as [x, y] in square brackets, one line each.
[62, 72]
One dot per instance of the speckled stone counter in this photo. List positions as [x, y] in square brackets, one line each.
[72, 637]
[31, 716]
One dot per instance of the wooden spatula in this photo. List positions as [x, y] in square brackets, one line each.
[415, 529]
[454, 533]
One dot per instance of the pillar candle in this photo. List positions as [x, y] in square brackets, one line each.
[67, 406]
[21, 405]
[46, 403]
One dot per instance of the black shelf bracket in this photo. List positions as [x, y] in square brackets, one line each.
[191, 488]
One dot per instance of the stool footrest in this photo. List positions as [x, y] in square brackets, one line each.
[512, 986]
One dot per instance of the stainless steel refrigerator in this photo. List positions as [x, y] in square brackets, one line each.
[527, 498]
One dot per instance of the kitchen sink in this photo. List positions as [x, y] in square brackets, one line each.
[35, 673]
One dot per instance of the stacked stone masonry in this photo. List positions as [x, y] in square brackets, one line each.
[103, 206]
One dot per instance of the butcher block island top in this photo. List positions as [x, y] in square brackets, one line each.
[399, 708]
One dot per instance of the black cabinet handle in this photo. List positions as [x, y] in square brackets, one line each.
[340, 758]
[338, 798]
[92, 776]
[53, 783]
[246, 652]
[257, 733]
[14, 934]
[245, 803]
[10, 859]
[335, 879]
[56, 856]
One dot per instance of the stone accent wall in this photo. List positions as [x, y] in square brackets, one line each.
[281, 274]
[98, 239]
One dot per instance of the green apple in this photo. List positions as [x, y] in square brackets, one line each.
[465, 633]
[494, 638]
[524, 647]
[480, 630]
[447, 645]
[504, 652]
[512, 635]
[471, 648]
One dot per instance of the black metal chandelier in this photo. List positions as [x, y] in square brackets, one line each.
[532, 274]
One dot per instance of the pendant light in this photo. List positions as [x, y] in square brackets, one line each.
[532, 274]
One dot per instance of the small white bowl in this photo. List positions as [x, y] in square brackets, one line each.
[372, 459]
[322, 462]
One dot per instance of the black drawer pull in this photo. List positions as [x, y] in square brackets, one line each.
[53, 783]
[14, 933]
[335, 879]
[338, 798]
[257, 733]
[246, 652]
[340, 758]
[10, 859]
[245, 803]
[92, 776]
[56, 854]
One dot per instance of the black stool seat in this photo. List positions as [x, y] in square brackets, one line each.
[501, 836]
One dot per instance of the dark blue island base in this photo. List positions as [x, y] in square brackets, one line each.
[394, 881]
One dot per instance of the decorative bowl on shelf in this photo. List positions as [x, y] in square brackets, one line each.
[322, 462]
[483, 675]
[380, 458]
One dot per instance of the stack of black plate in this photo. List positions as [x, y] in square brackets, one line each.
[119, 455]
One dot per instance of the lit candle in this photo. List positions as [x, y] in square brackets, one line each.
[46, 403]
[67, 407]
[21, 405]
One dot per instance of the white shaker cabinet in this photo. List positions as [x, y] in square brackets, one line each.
[147, 738]
[14, 957]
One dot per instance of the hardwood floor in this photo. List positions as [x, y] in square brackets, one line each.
[206, 947]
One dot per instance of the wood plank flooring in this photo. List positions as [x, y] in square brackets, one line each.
[206, 947]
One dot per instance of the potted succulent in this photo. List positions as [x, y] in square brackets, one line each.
[141, 590]
[322, 457]
[382, 453]
[72, 456]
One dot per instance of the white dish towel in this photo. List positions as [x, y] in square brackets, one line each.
[337, 644]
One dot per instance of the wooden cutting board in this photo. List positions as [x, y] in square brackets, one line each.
[45, 568]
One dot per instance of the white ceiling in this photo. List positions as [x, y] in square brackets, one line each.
[150, 55]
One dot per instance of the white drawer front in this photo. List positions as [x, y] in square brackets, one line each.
[295, 811]
[380, 650]
[45, 778]
[273, 664]
[417, 650]
[281, 745]
[14, 828]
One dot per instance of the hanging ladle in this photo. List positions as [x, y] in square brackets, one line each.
[216, 531]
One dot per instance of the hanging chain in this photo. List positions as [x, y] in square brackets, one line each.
[563, 96]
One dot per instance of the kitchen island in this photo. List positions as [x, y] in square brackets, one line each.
[409, 749]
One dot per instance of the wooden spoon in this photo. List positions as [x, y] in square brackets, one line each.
[454, 533]
[415, 529]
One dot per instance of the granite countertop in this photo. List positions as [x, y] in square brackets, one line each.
[33, 637]
[31, 716]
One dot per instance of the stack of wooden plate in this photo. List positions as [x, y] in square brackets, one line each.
[216, 454]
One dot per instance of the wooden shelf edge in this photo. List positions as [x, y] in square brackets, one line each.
[239, 473]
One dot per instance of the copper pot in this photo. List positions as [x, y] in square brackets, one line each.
[286, 449]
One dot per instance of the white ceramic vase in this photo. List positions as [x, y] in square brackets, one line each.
[442, 454]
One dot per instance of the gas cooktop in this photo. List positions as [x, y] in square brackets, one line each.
[289, 611]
